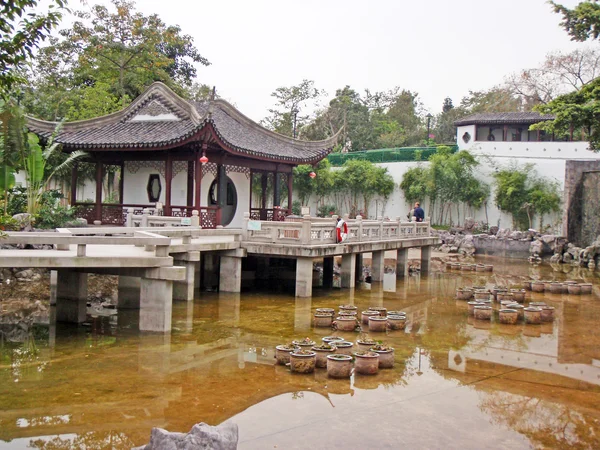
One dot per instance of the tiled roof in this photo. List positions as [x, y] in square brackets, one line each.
[161, 119]
[505, 118]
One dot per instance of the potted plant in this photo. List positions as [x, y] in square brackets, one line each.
[377, 323]
[396, 322]
[348, 308]
[339, 366]
[329, 311]
[282, 353]
[366, 363]
[343, 347]
[386, 355]
[509, 316]
[364, 342]
[329, 339]
[380, 309]
[304, 344]
[347, 313]
[366, 314]
[346, 323]
[323, 320]
[303, 361]
[322, 352]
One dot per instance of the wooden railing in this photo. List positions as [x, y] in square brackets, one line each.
[312, 231]
[269, 214]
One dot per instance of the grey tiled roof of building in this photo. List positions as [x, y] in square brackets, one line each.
[508, 118]
[159, 119]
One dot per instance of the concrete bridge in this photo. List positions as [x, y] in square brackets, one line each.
[158, 259]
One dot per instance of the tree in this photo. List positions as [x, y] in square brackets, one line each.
[22, 29]
[107, 58]
[287, 115]
[496, 99]
[582, 22]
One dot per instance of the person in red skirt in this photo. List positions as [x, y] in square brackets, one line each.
[341, 230]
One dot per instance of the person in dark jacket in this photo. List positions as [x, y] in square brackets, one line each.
[419, 213]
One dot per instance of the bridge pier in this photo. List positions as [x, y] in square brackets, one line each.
[156, 305]
[359, 277]
[377, 265]
[348, 270]
[401, 263]
[304, 277]
[71, 296]
[425, 259]
[230, 274]
[128, 296]
[328, 272]
[184, 290]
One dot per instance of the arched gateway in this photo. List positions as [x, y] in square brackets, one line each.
[170, 151]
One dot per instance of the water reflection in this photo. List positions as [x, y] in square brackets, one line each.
[105, 385]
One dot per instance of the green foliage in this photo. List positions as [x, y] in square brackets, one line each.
[296, 207]
[326, 210]
[7, 223]
[386, 155]
[521, 192]
[414, 184]
[53, 216]
[582, 22]
[22, 28]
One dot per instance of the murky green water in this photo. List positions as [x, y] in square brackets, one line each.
[456, 383]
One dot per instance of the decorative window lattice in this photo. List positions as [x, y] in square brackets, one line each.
[209, 168]
[179, 166]
[134, 166]
[238, 169]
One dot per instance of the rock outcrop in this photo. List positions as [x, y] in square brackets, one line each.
[201, 437]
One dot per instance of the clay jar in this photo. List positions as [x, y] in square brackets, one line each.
[489, 268]
[304, 344]
[282, 354]
[519, 308]
[472, 306]
[348, 308]
[464, 294]
[465, 267]
[339, 366]
[547, 314]
[481, 295]
[455, 266]
[396, 322]
[538, 286]
[518, 295]
[586, 288]
[364, 346]
[480, 268]
[556, 288]
[366, 363]
[366, 314]
[329, 311]
[377, 323]
[380, 309]
[323, 320]
[504, 296]
[386, 356]
[533, 315]
[303, 361]
[448, 265]
[346, 323]
[322, 352]
[329, 339]
[346, 313]
[509, 316]
[483, 312]
[574, 289]
[343, 348]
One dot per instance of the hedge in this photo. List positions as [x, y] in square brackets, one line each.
[382, 155]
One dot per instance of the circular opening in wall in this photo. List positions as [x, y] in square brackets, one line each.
[466, 137]
[229, 203]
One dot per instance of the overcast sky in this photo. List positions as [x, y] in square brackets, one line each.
[437, 48]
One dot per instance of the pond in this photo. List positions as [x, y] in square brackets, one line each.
[456, 383]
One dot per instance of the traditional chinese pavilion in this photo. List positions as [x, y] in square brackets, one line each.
[184, 156]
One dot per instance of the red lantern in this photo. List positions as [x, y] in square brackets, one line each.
[312, 174]
[203, 159]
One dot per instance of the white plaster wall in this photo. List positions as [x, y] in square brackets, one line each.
[134, 187]
[242, 186]
[179, 189]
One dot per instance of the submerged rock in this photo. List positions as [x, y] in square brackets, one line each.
[201, 437]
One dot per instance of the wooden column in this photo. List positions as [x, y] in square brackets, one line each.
[74, 184]
[122, 183]
[276, 193]
[290, 182]
[264, 183]
[190, 184]
[168, 180]
[199, 177]
[251, 183]
[505, 133]
[221, 190]
[99, 191]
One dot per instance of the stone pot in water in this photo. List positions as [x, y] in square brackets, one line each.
[365, 345]
[322, 352]
[343, 348]
[497, 290]
[574, 289]
[396, 322]
[538, 286]
[339, 366]
[464, 294]
[533, 315]
[518, 295]
[537, 304]
[396, 313]
[547, 285]
[472, 306]
[323, 320]
[509, 316]
[366, 363]
[386, 356]
[377, 323]
[303, 361]
[505, 303]
[304, 344]
[448, 265]
[348, 308]
[481, 295]
[519, 308]
[456, 266]
[329, 311]
[347, 313]
[586, 288]
[329, 339]
[366, 314]
[505, 296]
[483, 312]
[547, 314]
[556, 288]
[282, 354]
[346, 323]
[527, 285]
[380, 309]
[480, 268]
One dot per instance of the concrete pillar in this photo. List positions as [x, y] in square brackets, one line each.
[359, 268]
[184, 290]
[71, 293]
[377, 265]
[304, 277]
[348, 270]
[328, 272]
[128, 296]
[197, 274]
[402, 263]
[53, 284]
[156, 305]
[425, 259]
[230, 275]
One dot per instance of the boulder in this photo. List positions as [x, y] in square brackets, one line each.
[535, 248]
[516, 235]
[503, 233]
[201, 437]
[494, 230]
[469, 224]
